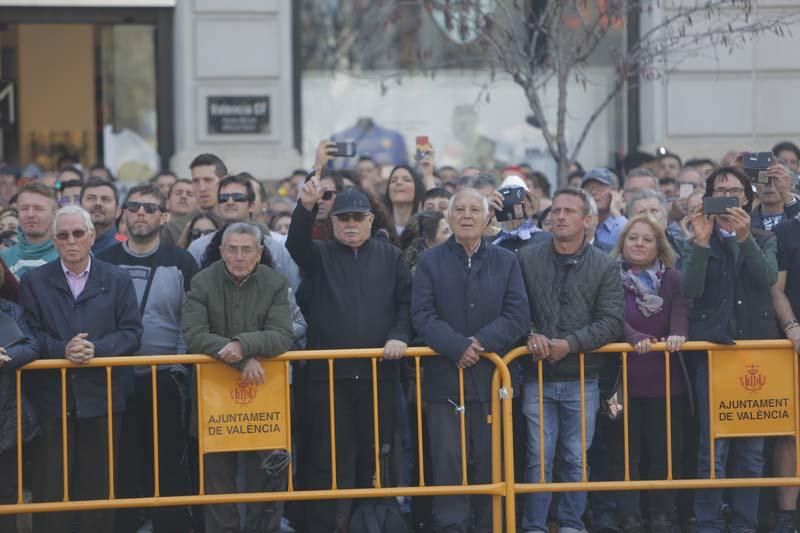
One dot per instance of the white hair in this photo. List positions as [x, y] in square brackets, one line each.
[243, 228]
[468, 190]
[74, 210]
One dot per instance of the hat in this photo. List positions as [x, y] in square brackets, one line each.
[31, 171]
[351, 201]
[513, 181]
[602, 175]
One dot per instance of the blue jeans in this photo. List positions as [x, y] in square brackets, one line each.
[747, 460]
[562, 429]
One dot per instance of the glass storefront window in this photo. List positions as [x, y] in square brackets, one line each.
[128, 100]
[381, 73]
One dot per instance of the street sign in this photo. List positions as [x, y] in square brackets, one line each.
[232, 115]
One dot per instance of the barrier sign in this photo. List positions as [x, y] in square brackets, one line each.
[237, 416]
[753, 392]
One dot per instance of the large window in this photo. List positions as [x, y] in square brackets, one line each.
[127, 95]
[381, 73]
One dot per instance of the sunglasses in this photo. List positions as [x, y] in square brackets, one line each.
[327, 195]
[197, 233]
[75, 199]
[347, 217]
[149, 207]
[237, 197]
[76, 234]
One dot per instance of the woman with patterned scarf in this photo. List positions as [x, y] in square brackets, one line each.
[655, 310]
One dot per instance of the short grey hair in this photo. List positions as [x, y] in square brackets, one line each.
[645, 194]
[243, 228]
[588, 201]
[467, 190]
[74, 210]
[643, 173]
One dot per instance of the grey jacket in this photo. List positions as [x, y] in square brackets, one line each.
[581, 301]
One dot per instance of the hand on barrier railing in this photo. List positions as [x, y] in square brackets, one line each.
[394, 349]
[231, 353]
[643, 346]
[253, 373]
[539, 346]
[471, 355]
[674, 342]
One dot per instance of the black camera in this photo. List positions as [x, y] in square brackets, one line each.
[756, 165]
[513, 204]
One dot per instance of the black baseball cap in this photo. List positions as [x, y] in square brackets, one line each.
[351, 201]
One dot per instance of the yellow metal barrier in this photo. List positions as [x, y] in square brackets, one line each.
[503, 487]
[502, 446]
[760, 348]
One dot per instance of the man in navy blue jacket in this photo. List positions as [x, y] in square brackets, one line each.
[468, 298]
[78, 307]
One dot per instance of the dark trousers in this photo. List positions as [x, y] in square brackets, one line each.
[355, 449]
[460, 514]
[647, 445]
[136, 451]
[87, 444]
[264, 471]
[8, 488]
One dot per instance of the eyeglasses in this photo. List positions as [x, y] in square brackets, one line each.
[149, 207]
[733, 191]
[235, 251]
[197, 233]
[347, 217]
[327, 195]
[237, 197]
[76, 234]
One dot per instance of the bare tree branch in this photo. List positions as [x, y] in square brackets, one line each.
[543, 45]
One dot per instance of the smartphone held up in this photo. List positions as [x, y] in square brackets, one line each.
[718, 205]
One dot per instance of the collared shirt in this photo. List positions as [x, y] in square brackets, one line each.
[77, 282]
[474, 250]
[608, 231]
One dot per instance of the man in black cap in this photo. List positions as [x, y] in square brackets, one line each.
[359, 292]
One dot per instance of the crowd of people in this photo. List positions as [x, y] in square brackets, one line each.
[466, 262]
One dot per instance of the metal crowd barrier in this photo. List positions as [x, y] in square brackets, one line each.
[502, 447]
[503, 487]
[758, 348]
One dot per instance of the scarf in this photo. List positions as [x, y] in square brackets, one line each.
[644, 286]
[522, 232]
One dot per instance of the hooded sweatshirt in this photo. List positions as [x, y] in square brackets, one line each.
[27, 256]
